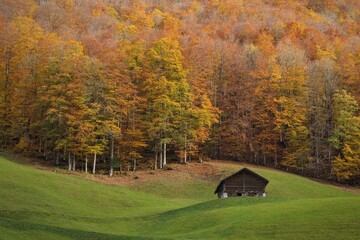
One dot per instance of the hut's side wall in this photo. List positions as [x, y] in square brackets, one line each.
[244, 184]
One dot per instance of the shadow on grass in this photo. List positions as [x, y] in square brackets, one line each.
[36, 228]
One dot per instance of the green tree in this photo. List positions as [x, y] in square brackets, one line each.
[346, 137]
[101, 115]
[60, 101]
[290, 113]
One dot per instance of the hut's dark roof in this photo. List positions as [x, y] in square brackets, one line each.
[245, 170]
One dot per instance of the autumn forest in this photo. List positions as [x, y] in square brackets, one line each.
[108, 85]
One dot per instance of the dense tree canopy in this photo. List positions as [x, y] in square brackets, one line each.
[140, 83]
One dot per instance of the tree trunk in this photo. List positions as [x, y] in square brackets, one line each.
[185, 152]
[94, 164]
[134, 169]
[6, 93]
[86, 164]
[219, 142]
[41, 147]
[7, 79]
[111, 173]
[185, 156]
[112, 157]
[57, 159]
[161, 158]
[264, 160]
[69, 162]
[74, 164]
[164, 161]
[156, 159]
[120, 166]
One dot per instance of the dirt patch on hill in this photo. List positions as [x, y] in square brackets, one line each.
[202, 171]
[197, 171]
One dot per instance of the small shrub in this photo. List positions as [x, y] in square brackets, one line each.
[167, 168]
[22, 145]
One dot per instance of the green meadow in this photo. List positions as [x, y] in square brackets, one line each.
[39, 204]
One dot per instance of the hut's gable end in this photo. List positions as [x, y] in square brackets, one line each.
[243, 183]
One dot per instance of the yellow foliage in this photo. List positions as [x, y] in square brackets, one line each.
[325, 53]
[29, 33]
[265, 44]
[138, 16]
[126, 31]
[166, 22]
[229, 7]
[99, 9]
[315, 16]
[75, 49]
[67, 4]
[112, 11]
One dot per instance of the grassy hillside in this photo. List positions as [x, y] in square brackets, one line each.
[36, 204]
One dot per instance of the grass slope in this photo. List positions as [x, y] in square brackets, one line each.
[37, 204]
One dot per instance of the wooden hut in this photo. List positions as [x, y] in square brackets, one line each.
[242, 183]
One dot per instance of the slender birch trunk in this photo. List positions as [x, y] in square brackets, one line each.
[185, 156]
[185, 151]
[112, 157]
[164, 161]
[6, 92]
[57, 159]
[86, 163]
[156, 159]
[111, 171]
[161, 157]
[94, 164]
[74, 164]
[69, 162]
